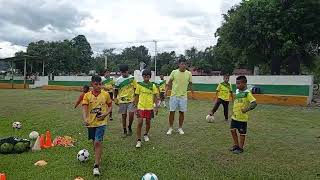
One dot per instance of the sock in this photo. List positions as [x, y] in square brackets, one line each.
[139, 140]
[125, 130]
[96, 166]
[146, 134]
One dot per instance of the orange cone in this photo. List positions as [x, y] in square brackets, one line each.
[2, 176]
[42, 141]
[48, 143]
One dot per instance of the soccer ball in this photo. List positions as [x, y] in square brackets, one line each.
[210, 118]
[17, 125]
[149, 176]
[33, 135]
[83, 155]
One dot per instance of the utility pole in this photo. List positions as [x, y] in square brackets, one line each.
[155, 59]
[105, 62]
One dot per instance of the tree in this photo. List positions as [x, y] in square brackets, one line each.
[272, 32]
[134, 55]
[83, 52]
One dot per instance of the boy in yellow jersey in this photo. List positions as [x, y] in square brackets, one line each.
[95, 109]
[146, 96]
[162, 89]
[108, 87]
[180, 80]
[243, 103]
[124, 97]
[224, 92]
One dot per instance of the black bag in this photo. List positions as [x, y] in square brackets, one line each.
[14, 145]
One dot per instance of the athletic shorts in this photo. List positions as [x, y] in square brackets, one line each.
[126, 107]
[96, 133]
[148, 114]
[240, 126]
[178, 103]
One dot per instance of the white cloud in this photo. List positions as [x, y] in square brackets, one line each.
[8, 49]
[180, 24]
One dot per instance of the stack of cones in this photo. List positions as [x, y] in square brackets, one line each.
[43, 142]
[2, 176]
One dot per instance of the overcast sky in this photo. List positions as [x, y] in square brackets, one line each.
[177, 24]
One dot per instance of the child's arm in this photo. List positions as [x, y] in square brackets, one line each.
[85, 114]
[251, 106]
[78, 101]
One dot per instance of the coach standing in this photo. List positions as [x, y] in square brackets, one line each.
[180, 80]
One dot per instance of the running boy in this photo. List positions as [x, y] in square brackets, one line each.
[96, 106]
[85, 89]
[124, 97]
[162, 89]
[108, 87]
[224, 92]
[146, 96]
[243, 103]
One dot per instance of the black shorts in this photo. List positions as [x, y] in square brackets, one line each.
[111, 95]
[162, 97]
[240, 126]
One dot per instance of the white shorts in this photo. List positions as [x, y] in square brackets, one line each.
[178, 103]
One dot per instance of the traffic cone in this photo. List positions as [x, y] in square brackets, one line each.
[48, 143]
[42, 141]
[36, 146]
[2, 176]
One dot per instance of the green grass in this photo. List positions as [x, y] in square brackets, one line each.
[283, 143]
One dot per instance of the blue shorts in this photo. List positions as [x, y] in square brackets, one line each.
[96, 133]
[178, 103]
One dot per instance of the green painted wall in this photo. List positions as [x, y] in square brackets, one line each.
[16, 81]
[301, 90]
[69, 83]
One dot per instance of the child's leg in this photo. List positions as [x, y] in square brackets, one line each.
[139, 127]
[181, 119]
[98, 152]
[171, 118]
[226, 109]
[148, 123]
[216, 106]
[124, 122]
[234, 137]
[242, 140]
[131, 117]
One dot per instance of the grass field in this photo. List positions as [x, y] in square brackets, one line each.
[282, 143]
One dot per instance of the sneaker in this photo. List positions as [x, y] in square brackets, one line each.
[96, 172]
[169, 131]
[146, 138]
[180, 131]
[138, 145]
[233, 148]
[238, 151]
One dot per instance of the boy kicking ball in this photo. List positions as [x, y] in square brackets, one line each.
[145, 98]
[96, 107]
[243, 103]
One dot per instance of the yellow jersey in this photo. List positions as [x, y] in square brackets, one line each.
[109, 84]
[146, 92]
[97, 105]
[162, 85]
[126, 87]
[180, 82]
[225, 90]
[242, 100]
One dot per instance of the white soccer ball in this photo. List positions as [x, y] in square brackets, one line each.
[33, 135]
[83, 155]
[149, 176]
[210, 118]
[17, 125]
